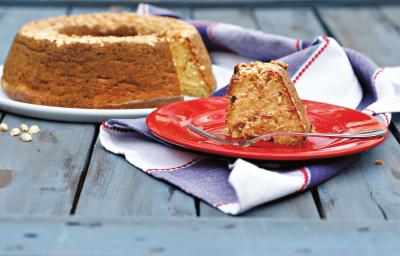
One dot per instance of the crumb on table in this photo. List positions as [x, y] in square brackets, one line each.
[378, 161]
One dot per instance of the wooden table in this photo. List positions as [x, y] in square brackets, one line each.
[63, 194]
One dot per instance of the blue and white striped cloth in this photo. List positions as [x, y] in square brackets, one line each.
[321, 70]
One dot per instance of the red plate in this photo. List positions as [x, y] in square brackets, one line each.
[168, 123]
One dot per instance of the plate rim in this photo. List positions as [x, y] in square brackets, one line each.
[271, 156]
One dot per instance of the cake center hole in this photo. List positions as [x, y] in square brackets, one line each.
[121, 31]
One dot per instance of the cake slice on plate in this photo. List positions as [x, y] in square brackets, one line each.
[263, 99]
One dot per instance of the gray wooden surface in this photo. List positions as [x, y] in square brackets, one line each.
[115, 188]
[374, 188]
[188, 236]
[40, 178]
[204, 3]
[366, 30]
[65, 171]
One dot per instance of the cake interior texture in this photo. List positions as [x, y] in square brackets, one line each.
[107, 60]
[263, 99]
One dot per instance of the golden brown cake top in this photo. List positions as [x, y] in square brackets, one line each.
[103, 28]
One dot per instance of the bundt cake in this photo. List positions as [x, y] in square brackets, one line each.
[105, 60]
[262, 99]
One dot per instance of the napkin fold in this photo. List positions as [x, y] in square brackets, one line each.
[321, 70]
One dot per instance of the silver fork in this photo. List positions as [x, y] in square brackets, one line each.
[249, 142]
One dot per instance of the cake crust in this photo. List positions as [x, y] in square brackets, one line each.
[105, 61]
[263, 99]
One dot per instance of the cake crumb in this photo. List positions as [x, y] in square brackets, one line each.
[15, 132]
[26, 137]
[378, 162]
[3, 127]
[24, 127]
[34, 129]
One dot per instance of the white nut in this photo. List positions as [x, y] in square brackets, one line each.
[15, 132]
[3, 127]
[34, 129]
[26, 137]
[24, 127]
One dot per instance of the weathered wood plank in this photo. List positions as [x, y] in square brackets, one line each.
[298, 23]
[115, 8]
[191, 236]
[365, 30]
[41, 177]
[366, 190]
[185, 11]
[243, 17]
[112, 8]
[14, 18]
[207, 3]
[374, 189]
[113, 187]
[392, 13]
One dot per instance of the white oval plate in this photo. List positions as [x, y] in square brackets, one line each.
[82, 115]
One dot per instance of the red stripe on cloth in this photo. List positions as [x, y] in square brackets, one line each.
[142, 8]
[115, 129]
[386, 118]
[217, 205]
[378, 72]
[312, 60]
[298, 45]
[175, 168]
[303, 170]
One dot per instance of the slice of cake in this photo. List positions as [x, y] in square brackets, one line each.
[262, 99]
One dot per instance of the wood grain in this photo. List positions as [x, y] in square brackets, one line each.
[366, 30]
[112, 8]
[297, 23]
[243, 17]
[191, 236]
[373, 189]
[366, 190]
[113, 187]
[121, 8]
[41, 177]
[207, 3]
[392, 12]
[185, 11]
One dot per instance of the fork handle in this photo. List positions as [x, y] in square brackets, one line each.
[369, 134]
